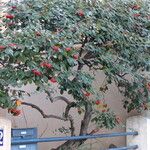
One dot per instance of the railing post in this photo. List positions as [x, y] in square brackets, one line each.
[5, 134]
[141, 124]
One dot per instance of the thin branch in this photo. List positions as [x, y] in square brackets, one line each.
[25, 118]
[69, 106]
[61, 98]
[44, 131]
[42, 112]
[72, 128]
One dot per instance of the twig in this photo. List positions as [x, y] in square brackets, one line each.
[25, 118]
[44, 131]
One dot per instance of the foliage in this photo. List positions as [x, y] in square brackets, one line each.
[54, 41]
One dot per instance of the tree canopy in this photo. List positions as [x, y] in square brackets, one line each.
[48, 42]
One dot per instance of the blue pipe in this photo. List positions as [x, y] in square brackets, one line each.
[56, 139]
[125, 148]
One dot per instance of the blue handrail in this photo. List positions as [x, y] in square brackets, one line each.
[55, 139]
[125, 148]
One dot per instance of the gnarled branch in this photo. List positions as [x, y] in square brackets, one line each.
[66, 118]
[42, 112]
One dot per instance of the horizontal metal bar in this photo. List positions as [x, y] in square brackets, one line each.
[125, 148]
[55, 139]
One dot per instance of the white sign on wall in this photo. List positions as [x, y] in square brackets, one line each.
[1, 137]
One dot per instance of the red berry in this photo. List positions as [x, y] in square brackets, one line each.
[2, 47]
[75, 56]
[136, 7]
[12, 45]
[15, 112]
[55, 48]
[47, 65]
[136, 15]
[14, 7]
[36, 72]
[68, 49]
[53, 80]
[9, 16]
[37, 33]
[80, 13]
[87, 94]
[97, 102]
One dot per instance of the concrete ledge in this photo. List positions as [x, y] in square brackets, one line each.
[141, 124]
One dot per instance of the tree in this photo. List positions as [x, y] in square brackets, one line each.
[54, 42]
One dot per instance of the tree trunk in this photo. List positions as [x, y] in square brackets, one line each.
[73, 145]
[70, 145]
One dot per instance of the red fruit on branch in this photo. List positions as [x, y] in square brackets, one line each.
[2, 47]
[55, 48]
[47, 65]
[36, 72]
[14, 7]
[15, 112]
[12, 45]
[75, 56]
[38, 33]
[53, 80]
[136, 7]
[97, 102]
[68, 49]
[80, 13]
[10, 16]
[87, 94]
[136, 15]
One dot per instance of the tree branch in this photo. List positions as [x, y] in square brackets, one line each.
[72, 128]
[69, 106]
[42, 112]
[66, 114]
[66, 118]
[57, 98]
[86, 120]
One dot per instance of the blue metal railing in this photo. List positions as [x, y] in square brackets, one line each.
[125, 148]
[55, 139]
